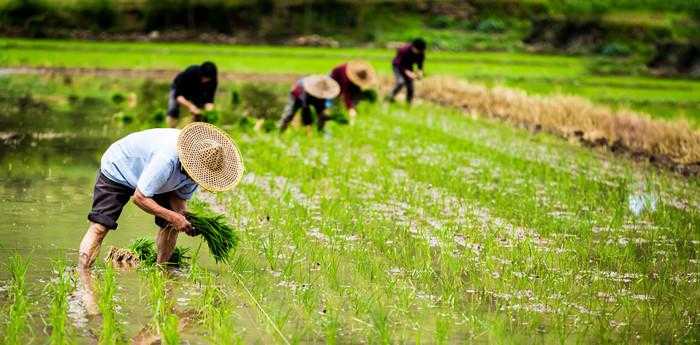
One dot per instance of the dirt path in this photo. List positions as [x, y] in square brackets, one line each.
[160, 74]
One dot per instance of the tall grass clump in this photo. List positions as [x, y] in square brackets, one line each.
[58, 315]
[106, 288]
[19, 307]
[216, 231]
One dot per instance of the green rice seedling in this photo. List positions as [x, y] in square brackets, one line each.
[19, 307]
[145, 251]
[159, 302]
[164, 320]
[169, 329]
[112, 332]
[216, 231]
[58, 314]
[211, 116]
[214, 312]
[442, 328]
[381, 324]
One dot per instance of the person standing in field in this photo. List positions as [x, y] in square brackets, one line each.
[195, 89]
[311, 91]
[353, 77]
[159, 169]
[402, 65]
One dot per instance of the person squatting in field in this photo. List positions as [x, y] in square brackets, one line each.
[353, 77]
[402, 65]
[312, 91]
[159, 169]
[193, 88]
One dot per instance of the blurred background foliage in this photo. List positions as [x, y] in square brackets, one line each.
[664, 33]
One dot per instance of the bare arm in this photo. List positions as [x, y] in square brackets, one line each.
[183, 101]
[410, 74]
[151, 206]
[209, 106]
[178, 205]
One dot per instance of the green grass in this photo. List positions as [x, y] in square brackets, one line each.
[111, 330]
[15, 330]
[542, 74]
[164, 321]
[58, 315]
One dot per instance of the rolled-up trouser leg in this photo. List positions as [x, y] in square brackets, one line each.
[290, 109]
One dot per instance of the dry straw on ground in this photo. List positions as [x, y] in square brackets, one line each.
[672, 144]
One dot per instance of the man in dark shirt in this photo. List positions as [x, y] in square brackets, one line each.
[407, 56]
[312, 91]
[353, 77]
[193, 88]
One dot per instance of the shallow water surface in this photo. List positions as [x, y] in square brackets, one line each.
[46, 192]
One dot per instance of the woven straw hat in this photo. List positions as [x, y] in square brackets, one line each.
[209, 156]
[361, 73]
[321, 86]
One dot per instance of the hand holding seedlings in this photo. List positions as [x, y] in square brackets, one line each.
[181, 223]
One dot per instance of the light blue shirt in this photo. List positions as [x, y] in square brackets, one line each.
[148, 161]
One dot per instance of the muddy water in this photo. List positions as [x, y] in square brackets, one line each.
[46, 189]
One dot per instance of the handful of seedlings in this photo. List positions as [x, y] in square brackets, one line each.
[216, 231]
[143, 251]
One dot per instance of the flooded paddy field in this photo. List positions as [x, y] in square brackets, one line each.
[415, 225]
[672, 99]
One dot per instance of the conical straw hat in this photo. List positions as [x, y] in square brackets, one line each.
[361, 73]
[209, 156]
[321, 86]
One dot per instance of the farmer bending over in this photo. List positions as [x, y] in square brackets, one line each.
[312, 91]
[353, 77]
[407, 56]
[159, 169]
[193, 88]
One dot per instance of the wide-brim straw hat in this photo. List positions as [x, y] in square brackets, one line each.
[321, 86]
[361, 73]
[209, 157]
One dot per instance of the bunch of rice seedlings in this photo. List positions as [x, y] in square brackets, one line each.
[58, 315]
[145, 250]
[219, 235]
[19, 309]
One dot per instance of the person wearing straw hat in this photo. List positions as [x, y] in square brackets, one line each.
[311, 91]
[353, 77]
[159, 169]
[402, 65]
